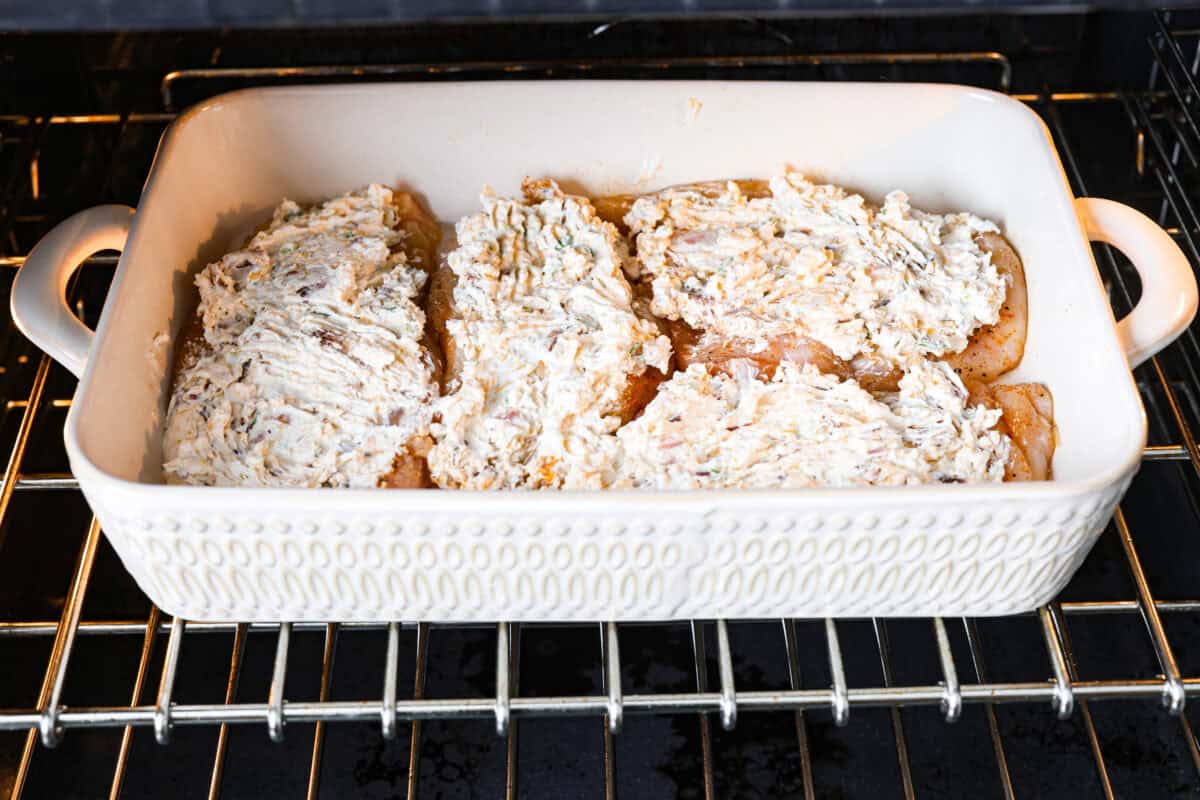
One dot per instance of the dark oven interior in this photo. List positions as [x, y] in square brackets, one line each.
[1075, 700]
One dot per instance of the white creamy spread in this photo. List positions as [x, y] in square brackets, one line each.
[547, 341]
[803, 428]
[314, 372]
[812, 259]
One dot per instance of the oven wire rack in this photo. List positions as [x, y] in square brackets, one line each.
[1166, 124]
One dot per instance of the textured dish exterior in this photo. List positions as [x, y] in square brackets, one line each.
[269, 555]
[893, 559]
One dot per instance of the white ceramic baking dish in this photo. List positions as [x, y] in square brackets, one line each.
[274, 554]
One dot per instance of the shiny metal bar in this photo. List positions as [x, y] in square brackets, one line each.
[1185, 431]
[725, 675]
[1085, 711]
[275, 717]
[1189, 736]
[552, 68]
[839, 697]
[952, 707]
[885, 663]
[162, 719]
[1171, 44]
[27, 483]
[1064, 698]
[1168, 452]
[511, 773]
[60, 653]
[231, 687]
[47, 711]
[791, 646]
[503, 698]
[89, 119]
[139, 682]
[607, 679]
[1170, 181]
[414, 740]
[8, 483]
[1168, 74]
[590, 705]
[391, 668]
[989, 710]
[314, 770]
[99, 260]
[701, 662]
[612, 668]
[58, 402]
[1173, 695]
[129, 627]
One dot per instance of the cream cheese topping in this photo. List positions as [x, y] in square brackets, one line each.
[314, 373]
[547, 341]
[804, 428]
[812, 259]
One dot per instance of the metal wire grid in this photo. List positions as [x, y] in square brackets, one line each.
[1164, 120]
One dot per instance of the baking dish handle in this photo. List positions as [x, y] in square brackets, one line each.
[39, 304]
[1168, 301]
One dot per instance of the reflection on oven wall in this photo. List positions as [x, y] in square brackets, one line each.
[80, 115]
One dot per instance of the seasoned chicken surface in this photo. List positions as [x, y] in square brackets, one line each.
[802, 428]
[757, 275]
[306, 363]
[792, 269]
[735, 334]
[545, 355]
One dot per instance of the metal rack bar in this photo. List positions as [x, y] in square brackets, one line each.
[792, 648]
[1173, 694]
[161, 713]
[839, 694]
[1063, 700]
[391, 668]
[314, 771]
[1171, 44]
[1156, 45]
[275, 717]
[503, 696]
[548, 68]
[989, 709]
[138, 628]
[414, 740]
[139, 682]
[610, 679]
[591, 705]
[725, 675]
[49, 696]
[885, 664]
[60, 654]
[952, 706]
[513, 659]
[612, 669]
[1189, 737]
[231, 687]
[706, 756]
[1085, 711]
[9, 481]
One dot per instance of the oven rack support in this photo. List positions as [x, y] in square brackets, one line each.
[1167, 132]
